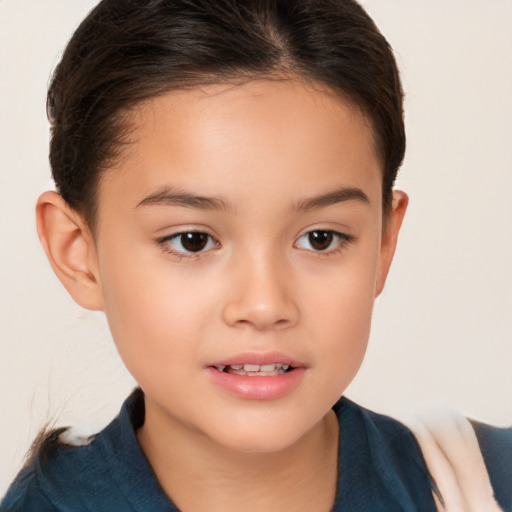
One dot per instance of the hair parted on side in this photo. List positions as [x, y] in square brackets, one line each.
[128, 51]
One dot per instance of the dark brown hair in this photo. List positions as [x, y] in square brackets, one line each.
[127, 51]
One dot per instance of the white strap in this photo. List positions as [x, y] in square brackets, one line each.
[451, 451]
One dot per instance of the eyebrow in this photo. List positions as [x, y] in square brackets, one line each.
[339, 195]
[168, 196]
[172, 197]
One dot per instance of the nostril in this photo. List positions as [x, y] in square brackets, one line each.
[264, 323]
[261, 311]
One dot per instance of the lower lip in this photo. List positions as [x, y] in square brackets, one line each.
[257, 388]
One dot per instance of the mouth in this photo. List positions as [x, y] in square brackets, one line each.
[255, 370]
[257, 376]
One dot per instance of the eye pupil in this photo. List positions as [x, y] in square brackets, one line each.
[194, 242]
[320, 240]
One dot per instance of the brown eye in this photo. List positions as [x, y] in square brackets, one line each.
[194, 242]
[320, 240]
[189, 242]
[323, 240]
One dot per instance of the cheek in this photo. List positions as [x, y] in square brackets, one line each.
[154, 316]
[343, 306]
[346, 329]
[344, 336]
[345, 295]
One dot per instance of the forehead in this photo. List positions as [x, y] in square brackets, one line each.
[262, 136]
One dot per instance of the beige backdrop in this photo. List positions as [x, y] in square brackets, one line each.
[442, 332]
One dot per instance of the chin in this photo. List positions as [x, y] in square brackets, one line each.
[260, 438]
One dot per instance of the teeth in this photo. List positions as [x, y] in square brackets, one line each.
[254, 369]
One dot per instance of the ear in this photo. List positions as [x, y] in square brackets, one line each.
[70, 248]
[390, 237]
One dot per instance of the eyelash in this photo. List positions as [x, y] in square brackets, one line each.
[166, 246]
[340, 240]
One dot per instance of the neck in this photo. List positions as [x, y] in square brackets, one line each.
[199, 475]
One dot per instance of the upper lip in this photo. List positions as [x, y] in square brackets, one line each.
[259, 358]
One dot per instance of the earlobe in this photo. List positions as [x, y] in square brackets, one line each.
[70, 248]
[390, 237]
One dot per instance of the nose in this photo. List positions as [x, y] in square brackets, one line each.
[260, 296]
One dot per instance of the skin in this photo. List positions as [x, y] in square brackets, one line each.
[263, 152]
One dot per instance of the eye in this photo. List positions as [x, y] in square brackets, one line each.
[322, 240]
[189, 242]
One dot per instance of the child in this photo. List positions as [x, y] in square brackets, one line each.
[225, 194]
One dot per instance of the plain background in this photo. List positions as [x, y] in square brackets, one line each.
[442, 332]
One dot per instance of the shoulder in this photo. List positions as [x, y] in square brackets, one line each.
[496, 447]
[64, 473]
[392, 437]
[25, 495]
[470, 462]
[380, 463]
[56, 472]
[105, 473]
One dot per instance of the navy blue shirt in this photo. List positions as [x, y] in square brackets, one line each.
[380, 469]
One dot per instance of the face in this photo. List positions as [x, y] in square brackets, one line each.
[239, 251]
